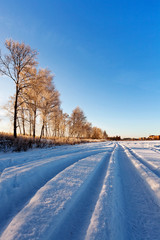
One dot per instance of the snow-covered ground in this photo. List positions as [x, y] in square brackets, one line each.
[89, 191]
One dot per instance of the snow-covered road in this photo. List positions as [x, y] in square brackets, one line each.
[90, 191]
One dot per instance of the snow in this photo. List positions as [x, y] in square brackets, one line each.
[106, 221]
[151, 180]
[89, 191]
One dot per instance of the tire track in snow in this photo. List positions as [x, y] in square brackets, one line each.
[150, 179]
[155, 149]
[108, 219]
[75, 224]
[141, 211]
[53, 204]
[19, 159]
[18, 189]
[153, 168]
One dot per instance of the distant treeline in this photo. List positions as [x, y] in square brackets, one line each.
[37, 100]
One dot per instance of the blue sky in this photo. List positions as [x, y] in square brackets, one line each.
[105, 56]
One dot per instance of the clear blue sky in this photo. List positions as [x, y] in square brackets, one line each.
[105, 55]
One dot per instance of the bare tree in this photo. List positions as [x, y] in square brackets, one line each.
[64, 124]
[59, 121]
[97, 133]
[31, 95]
[87, 130]
[49, 101]
[105, 135]
[16, 65]
[77, 122]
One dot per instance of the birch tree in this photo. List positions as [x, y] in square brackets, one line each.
[97, 133]
[31, 96]
[16, 65]
[49, 100]
[77, 122]
[59, 122]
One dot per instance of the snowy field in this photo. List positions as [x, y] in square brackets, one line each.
[89, 191]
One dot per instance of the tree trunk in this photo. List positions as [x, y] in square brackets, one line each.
[15, 113]
[19, 126]
[30, 124]
[46, 130]
[24, 132]
[34, 124]
[42, 131]
[23, 121]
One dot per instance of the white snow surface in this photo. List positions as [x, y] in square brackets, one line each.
[99, 191]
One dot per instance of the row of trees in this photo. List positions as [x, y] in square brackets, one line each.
[36, 101]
